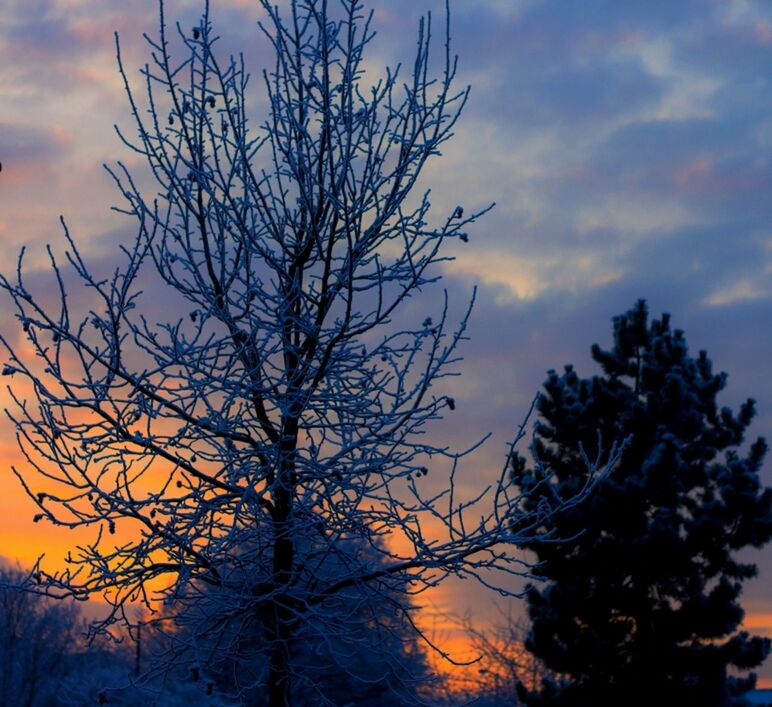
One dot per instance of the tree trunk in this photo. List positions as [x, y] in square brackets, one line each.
[280, 630]
[279, 682]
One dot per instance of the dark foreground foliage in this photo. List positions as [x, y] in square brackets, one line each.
[642, 605]
[45, 659]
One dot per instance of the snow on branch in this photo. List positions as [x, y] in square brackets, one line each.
[244, 401]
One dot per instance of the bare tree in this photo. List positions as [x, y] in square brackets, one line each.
[37, 639]
[502, 662]
[277, 405]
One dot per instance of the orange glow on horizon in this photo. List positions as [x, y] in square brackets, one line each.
[759, 623]
[24, 541]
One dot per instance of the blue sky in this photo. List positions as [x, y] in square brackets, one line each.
[627, 144]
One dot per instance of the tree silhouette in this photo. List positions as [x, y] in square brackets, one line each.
[642, 604]
[37, 640]
[503, 663]
[248, 375]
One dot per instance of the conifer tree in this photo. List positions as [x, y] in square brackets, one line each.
[642, 603]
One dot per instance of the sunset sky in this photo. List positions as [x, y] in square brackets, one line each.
[626, 143]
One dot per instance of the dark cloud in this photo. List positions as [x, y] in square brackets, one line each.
[24, 143]
[40, 30]
[732, 50]
[655, 142]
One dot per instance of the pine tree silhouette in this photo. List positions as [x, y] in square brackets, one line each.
[642, 604]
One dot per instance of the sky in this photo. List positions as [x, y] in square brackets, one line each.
[627, 145]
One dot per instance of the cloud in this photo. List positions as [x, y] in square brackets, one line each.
[28, 153]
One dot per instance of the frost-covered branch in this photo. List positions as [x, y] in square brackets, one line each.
[267, 417]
